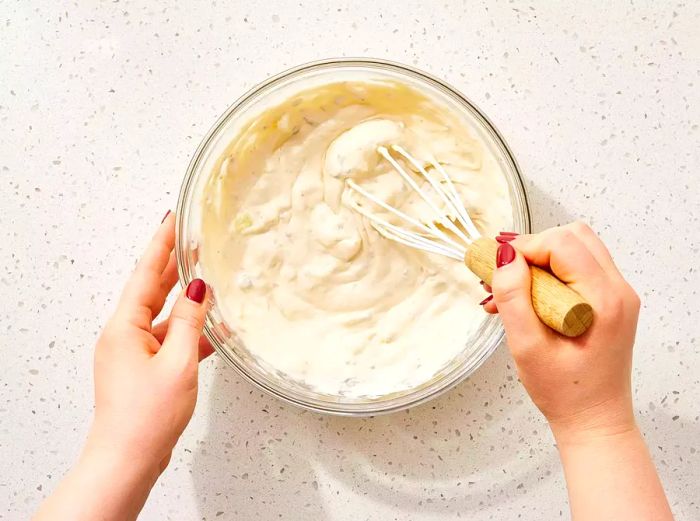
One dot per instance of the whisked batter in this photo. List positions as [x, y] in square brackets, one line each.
[307, 284]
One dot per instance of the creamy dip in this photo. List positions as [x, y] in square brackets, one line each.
[309, 287]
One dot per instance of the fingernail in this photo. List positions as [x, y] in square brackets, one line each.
[505, 254]
[487, 299]
[514, 234]
[196, 290]
[165, 217]
[488, 288]
[505, 238]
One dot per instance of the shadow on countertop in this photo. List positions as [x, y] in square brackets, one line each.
[545, 211]
[466, 450]
[669, 439]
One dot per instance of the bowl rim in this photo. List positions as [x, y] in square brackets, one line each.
[430, 391]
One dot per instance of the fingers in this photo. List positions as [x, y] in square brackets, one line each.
[563, 252]
[152, 279]
[169, 276]
[597, 248]
[511, 296]
[488, 303]
[167, 281]
[157, 254]
[205, 348]
[490, 307]
[591, 241]
[160, 330]
[181, 346]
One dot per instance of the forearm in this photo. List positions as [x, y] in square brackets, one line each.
[611, 477]
[101, 486]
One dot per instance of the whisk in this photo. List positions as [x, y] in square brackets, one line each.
[452, 233]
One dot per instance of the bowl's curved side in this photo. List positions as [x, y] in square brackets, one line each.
[489, 335]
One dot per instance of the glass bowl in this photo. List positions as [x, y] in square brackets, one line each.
[477, 348]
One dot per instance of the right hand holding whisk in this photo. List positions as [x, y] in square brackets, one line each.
[585, 380]
[582, 385]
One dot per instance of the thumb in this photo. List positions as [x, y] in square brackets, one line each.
[511, 294]
[181, 343]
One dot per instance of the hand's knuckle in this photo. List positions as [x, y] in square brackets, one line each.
[619, 301]
[505, 294]
[143, 313]
[633, 298]
[577, 224]
[565, 237]
[191, 320]
[580, 227]
[613, 307]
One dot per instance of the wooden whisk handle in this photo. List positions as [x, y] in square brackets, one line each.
[556, 304]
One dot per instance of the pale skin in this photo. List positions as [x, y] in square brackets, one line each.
[145, 393]
[146, 383]
[583, 385]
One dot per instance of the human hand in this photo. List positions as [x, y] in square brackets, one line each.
[582, 385]
[145, 374]
[145, 391]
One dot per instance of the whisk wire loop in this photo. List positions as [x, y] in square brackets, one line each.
[430, 237]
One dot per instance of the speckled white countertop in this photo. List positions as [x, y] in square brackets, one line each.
[100, 110]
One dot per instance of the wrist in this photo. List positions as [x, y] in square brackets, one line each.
[610, 418]
[101, 457]
[103, 484]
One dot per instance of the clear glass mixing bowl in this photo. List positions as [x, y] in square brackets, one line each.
[477, 348]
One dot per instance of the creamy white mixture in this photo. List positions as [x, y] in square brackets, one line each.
[305, 282]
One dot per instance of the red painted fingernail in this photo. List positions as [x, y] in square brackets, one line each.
[196, 290]
[165, 217]
[514, 234]
[504, 255]
[487, 299]
[505, 238]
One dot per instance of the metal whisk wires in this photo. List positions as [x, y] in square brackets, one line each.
[425, 236]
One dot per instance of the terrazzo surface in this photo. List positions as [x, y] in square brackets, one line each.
[102, 105]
